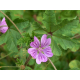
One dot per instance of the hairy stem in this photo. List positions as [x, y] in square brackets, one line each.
[11, 21]
[52, 64]
[28, 59]
[77, 36]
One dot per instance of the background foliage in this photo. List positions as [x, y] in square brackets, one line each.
[60, 25]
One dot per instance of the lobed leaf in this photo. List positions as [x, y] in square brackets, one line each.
[49, 19]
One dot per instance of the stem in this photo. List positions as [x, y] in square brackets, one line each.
[11, 21]
[35, 18]
[28, 59]
[9, 66]
[6, 56]
[76, 36]
[52, 64]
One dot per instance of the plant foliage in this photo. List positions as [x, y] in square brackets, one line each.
[62, 26]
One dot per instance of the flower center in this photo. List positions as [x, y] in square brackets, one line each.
[40, 49]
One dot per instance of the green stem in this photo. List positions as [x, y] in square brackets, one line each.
[9, 66]
[6, 55]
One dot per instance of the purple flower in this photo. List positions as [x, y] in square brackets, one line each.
[4, 28]
[42, 51]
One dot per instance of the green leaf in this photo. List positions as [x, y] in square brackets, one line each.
[78, 12]
[22, 25]
[16, 14]
[10, 38]
[59, 25]
[28, 68]
[3, 38]
[36, 25]
[54, 58]
[68, 14]
[39, 66]
[66, 30]
[13, 36]
[31, 62]
[59, 37]
[25, 40]
[76, 30]
[38, 29]
[75, 69]
[61, 65]
[22, 54]
[66, 43]
[49, 19]
[74, 64]
[1, 15]
[28, 14]
[30, 29]
[55, 48]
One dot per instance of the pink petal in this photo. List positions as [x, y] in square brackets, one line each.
[3, 22]
[3, 19]
[44, 41]
[48, 52]
[41, 58]
[32, 52]
[3, 29]
[0, 21]
[36, 43]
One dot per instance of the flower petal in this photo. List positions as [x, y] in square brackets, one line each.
[3, 22]
[44, 41]
[41, 58]
[36, 43]
[3, 19]
[0, 21]
[48, 52]
[3, 29]
[32, 52]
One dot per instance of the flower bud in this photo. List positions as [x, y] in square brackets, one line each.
[3, 26]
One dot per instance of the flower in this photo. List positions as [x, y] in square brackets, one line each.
[4, 28]
[42, 51]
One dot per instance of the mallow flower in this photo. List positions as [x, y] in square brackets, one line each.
[40, 50]
[3, 26]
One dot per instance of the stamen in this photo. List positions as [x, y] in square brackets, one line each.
[40, 49]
